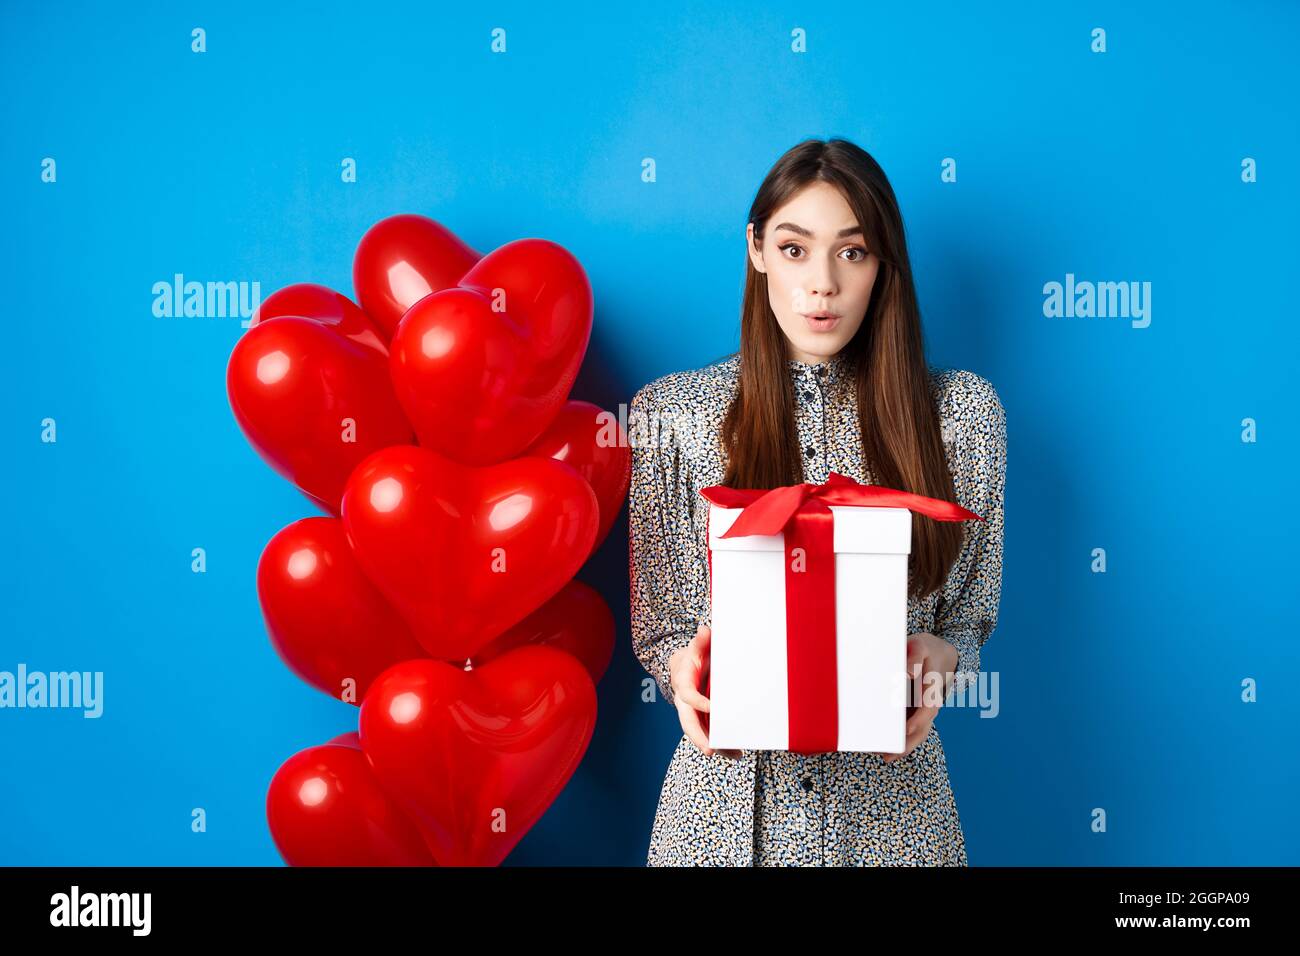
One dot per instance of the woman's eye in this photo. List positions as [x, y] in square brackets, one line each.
[790, 248]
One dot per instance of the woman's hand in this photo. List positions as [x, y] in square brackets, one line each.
[930, 664]
[686, 669]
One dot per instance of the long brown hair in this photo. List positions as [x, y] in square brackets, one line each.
[901, 437]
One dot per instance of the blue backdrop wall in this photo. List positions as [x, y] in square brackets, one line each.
[1153, 153]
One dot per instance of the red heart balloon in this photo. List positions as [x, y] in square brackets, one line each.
[326, 620]
[326, 808]
[402, 259]
[312, 403]
[463, 553]
[590, 440]
[475, 757]
[329, 308]
[482, 369]
[576, 621]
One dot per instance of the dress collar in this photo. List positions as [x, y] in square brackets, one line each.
[833, 371]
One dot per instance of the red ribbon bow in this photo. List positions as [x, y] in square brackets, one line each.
[802, 513]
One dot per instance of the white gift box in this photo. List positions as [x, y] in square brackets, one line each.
[748, 679]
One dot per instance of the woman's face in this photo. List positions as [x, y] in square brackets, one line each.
[816, 262]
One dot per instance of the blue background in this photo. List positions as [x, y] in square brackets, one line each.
[1118, 690]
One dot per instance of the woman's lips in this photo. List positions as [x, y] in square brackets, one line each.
[821, 323]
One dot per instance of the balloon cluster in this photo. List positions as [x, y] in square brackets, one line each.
[431, 421]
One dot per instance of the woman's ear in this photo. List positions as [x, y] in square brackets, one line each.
[755, 257]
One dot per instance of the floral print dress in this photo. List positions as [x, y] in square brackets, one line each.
[778, 808]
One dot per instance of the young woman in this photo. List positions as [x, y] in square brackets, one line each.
[830, 376]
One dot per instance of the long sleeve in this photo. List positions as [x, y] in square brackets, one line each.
[659, 540]
[967, 619]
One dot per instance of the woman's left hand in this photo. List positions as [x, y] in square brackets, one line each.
[930, 664]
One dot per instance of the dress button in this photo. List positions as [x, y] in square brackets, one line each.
[808, 395]
[808, 783]
[810, 451]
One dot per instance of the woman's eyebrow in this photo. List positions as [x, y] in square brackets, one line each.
[847, 231]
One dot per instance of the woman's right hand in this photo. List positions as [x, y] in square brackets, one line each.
[686, 669]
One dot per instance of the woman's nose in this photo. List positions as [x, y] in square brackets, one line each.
[816, 294]
[822, 284]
